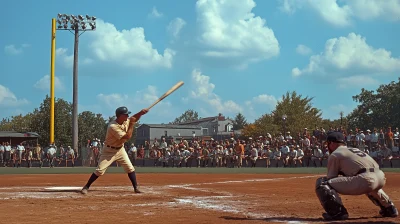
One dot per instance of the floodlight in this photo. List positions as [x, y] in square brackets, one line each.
[84, 26]
[58, 21]
[80, 17]
[60, 27]
[87, 17]
[65, 26]
[67, 17]
[93, 18]
[59, 15]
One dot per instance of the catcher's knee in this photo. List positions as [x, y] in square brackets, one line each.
[329, 198]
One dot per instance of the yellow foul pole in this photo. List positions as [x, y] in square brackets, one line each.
[52, 65]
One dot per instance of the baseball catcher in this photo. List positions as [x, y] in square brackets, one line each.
[360, 174]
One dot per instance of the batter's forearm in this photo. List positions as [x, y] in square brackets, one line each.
[130, 131]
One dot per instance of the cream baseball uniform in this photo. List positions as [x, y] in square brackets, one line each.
[113, 149]
[361, 174]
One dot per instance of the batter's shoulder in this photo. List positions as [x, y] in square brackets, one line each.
[112, 123]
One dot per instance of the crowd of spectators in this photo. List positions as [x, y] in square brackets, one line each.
[305, 149]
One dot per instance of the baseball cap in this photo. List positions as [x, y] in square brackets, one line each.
[335, 136]
[122, 110]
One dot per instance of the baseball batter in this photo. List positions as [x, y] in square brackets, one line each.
[118, 132]
[360, 174]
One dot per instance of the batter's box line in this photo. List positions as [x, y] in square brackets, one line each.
[244, 181]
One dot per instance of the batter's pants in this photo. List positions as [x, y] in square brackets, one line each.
[368, 183]
[109, 155]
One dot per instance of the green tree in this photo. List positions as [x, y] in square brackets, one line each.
[377, 109]
[91, 126]
[189, 115]
[239, 122]
[299, 111]
[62, 121]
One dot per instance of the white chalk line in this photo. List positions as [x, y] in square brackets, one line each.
[225, 202]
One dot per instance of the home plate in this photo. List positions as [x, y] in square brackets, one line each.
[63, 188]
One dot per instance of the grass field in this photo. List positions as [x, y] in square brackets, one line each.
[88, 170]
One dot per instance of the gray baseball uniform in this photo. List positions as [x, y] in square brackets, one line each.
[361, 174]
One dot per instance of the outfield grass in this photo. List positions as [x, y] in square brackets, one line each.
[88, 170]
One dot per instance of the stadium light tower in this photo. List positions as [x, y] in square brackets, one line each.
[76, 24]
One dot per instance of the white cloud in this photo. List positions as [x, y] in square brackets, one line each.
[13, 50]
[288, 6]
[303, 50]
[342, 13]
[230, 30]
[127, 48]
[44, 83]
[350, 54]
[203, 90]
[265, 99]
[333, 112]
[175, 26]
[113, 100]
[136, 101]
[67, 60]
[356, 81]
[8, 98]
[155, 13]
[263, 102]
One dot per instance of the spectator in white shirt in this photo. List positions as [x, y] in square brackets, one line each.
[374, 138]
[2, 153]
[317, 156]
[300, 155]
[20, 150]
[132, 153]
[292, 156]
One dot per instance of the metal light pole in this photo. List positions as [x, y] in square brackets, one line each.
[75, 25]
[284, 117]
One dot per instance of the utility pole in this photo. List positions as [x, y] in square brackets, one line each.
[76, 25]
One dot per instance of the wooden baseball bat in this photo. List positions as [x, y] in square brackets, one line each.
[175, 87]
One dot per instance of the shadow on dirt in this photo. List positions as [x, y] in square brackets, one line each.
[298, 219]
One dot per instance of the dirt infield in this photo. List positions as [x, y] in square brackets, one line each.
[177, 198]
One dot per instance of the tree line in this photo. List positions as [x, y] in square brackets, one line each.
[91, 125]
[378, 108]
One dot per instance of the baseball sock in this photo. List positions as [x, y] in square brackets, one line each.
[91, 180]
[132, 177]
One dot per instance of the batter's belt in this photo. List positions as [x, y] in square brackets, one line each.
[113, 147]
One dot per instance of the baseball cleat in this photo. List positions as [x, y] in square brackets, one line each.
[340, 216]
[390, 211]
[84, 190]
[137, 191]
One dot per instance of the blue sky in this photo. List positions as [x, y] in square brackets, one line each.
[234, 56]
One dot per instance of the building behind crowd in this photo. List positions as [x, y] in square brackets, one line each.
[216, 127]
